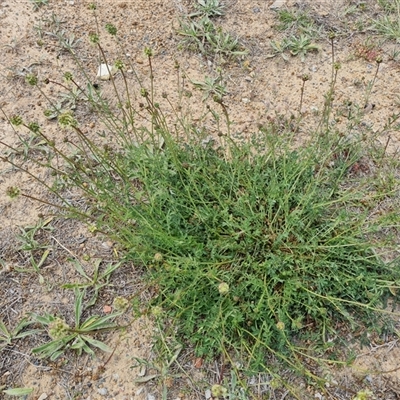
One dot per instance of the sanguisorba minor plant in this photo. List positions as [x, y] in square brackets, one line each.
[251, 248]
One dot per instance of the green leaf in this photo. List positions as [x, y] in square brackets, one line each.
[97, 343]
[95, 322]
[79, 269]
[109, 270]
[18, 391]
[48, 349]
[79, 295]
[4, 330]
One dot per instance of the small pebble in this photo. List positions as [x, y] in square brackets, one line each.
[102, 391]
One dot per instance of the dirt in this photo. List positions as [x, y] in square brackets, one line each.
[260, 88]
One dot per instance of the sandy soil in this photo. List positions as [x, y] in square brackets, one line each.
[260, 88]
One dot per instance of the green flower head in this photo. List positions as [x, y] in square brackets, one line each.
[16, 120]
[67, 119]
[120, 303]
[58, 329]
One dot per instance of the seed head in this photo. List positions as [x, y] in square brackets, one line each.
[218, 391]
[94, 38]
[13, 192]
[67, 119]
[58, 329]
[120, 303]
[34, 127]
[68, 76]
[223, 288]
[16, 120]
[280, 325]
[119, 65]
[111, 29]
[148, 52]
[158, 257]
[31, 79]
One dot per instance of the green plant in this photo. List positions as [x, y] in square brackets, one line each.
[254, 250]
[388, 25]
[300, 46]
[8, 336]
[79, 337]
[98, 280]
[211, 87]
[297, 46]
[209, 8]
[202, 35]
[30, 244]
[297, 22]
[37, 4]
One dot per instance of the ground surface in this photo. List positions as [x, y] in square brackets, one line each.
[259, 88]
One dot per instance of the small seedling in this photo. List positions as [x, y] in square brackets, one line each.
[300, 46]
[297, 22]
[77, 338]
[37, 4]
[211, 87]
[98, 280]
[209, 8]
[29, 243]
[202, 35]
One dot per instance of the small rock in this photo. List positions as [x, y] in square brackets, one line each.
[277, 4]
[105, 73]
[245, 100]
[102, 391]
[151, 397]
[43, 396]
[115, 377]
[207, 394]
[256, 10]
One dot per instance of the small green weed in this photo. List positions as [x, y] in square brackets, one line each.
[38, 251]
[253, 250]
[79, 337]
[98, 280]
[296, 45]
[202, 35]
[389, 24]
[298, 22]
[209, 8]
[37, 4]
[8, 336]
[213, 87]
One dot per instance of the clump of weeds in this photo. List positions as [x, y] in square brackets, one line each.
[255, 251]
